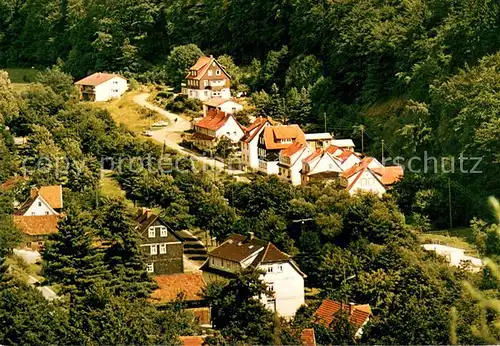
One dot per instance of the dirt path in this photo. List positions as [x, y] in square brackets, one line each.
[179, 126]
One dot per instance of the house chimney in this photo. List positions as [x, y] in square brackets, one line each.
[145, 211]
[250, 235]
[33, 192]
[211, 56]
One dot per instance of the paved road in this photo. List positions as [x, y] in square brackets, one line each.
[179, 126]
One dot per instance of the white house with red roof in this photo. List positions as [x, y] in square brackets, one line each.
[102, 87]
[207, 79]
[321, 165]
[370, 176]
[318, 140]
[281, 274]
[290, 161]
[215, 125]
[249, 143]
[217, 103]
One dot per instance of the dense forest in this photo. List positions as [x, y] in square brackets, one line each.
[420, 75]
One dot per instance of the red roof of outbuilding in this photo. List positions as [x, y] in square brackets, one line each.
[169, 286]
[214, 120]
[97, 78]
[307, 337]
[358, 314]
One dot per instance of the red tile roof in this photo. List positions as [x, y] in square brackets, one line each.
[312, 156]
[357, 167]
[37, 225]
[51, 194]
[254, 129]
[214, 120]
[273, 135]
[169, 286]
[345, 155]
[358, 314]
[192, 340]
[292, 149]
[202, 65]
[389, 175]
[307, 337]
[97, 78]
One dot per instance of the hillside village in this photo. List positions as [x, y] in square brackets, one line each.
[166, 179]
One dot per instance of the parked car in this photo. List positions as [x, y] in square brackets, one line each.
[147, 133]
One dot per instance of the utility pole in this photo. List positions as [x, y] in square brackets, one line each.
[449, 203]
[383, 152]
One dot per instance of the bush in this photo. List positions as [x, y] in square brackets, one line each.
[181, 104]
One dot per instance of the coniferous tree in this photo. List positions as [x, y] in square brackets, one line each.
[123, 257]
[70, 257]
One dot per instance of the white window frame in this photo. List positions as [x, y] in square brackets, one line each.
[270, 269]
[163, 249]
[151, 232]
[163, 231]
[153, 249]
[217, 72]
[210, 73]
[150, 268]
[279, 269]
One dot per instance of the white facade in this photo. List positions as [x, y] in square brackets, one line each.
[351, 161]
[288, 287]
[230, 129]
[290, 166]
[110, 89]
[268, 167]
[207, 94]
[365, 181]
[455, 256]
[250, 150]
[228, 107]
[40, 207]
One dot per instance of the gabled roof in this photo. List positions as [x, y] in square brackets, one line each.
[345, 155]
[202, 65]
[357, 167]
[292, 149]
[52, 194]
[238, 247]
[214, 120]
[254, 129]
[37, 225]
[314, 155]
[358, 314]
[169, 286]
[389, 175]
[273, 135]
[97, 78]
[146, 218]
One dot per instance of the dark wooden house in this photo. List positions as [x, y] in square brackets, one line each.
[162, 247]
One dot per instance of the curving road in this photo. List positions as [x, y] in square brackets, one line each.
[179, 126]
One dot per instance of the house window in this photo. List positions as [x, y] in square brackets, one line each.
[46, 213]
[190, 92]
[39, 204]
[280, 268]
[150, 268]
[217, 72]
[270, 269]
[228, 133]
[115, 82]
[234, 109]
[205, 82]
[212, 260]
[153, 250]
[151, 232]
[163, 248]
[270, 286]
[210, 73]
[163, 231]
[32, 213]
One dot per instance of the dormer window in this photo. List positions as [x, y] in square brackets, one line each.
[285, 141]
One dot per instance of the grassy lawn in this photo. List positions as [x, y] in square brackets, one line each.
[454, 241]
[21, 75]
[111, 188]
[125, 111]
